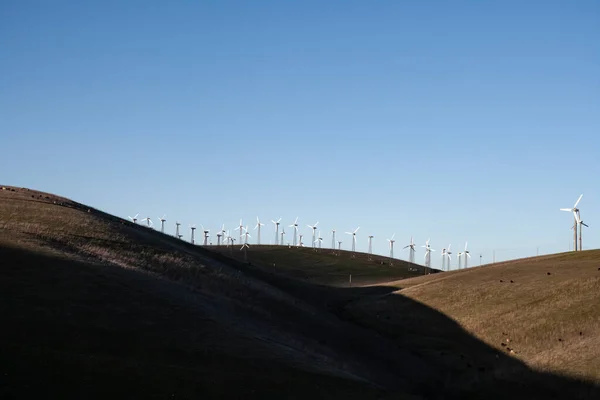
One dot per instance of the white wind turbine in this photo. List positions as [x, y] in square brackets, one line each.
[148, 221]
[220, 235]
[580, 223]
[428, 251]
[206, 234]
[333, 239]
[314, 232]
[319, 239]
[177, 224]
[134, 219]
[241, 229]
[392, 241]
[295, 226]
[411, 250]
[466, 255]
[258, 225]
[193, 228]
[276, 229]
[162, 224]
[446, 255]
[246, 235]
[353, 238]
[575, 211]
[282, 234]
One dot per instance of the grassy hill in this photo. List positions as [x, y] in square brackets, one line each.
[324, 266]
[543, 311]
[94, 306]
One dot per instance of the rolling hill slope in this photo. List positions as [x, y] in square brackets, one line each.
[94, 306]
[544, 311]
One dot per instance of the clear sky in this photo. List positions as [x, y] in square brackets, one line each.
[462, 120]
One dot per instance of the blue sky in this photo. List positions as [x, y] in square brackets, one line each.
[454, 121]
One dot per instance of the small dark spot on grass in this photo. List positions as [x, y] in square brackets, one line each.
[548, 273]
[580, 333]
[501, 280]
[559, 339]
[503, 344]
[511, 281]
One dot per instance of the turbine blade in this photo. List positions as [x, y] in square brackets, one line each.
[566, 209]
[578, 200]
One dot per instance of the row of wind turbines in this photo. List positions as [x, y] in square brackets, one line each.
[224, 237]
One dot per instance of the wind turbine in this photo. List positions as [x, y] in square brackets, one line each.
[575, 211]
[392, 241]
[245, 247]
[466, 254]
[580, 223]
[333, 239]
[314, 229]
[177, 229]
[148, 221]
[446, 254]
[246, 235]
[300, 238]
[206, 234]
[276, 229]
[162, 224]
[319, 239]
[241, 229]
[353, 238]
[221, 234]
[282, 234]
[371, 244]
[339, 245]
[428, 251]
[193, 228]
[258, 225]
[134, 219]
[411, 251]
[295, 226]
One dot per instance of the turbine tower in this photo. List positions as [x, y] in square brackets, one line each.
[148, 221]
[314, 229]
[134, 219]
[193, 228]
[392, 241]
[177, 229]
[581, 224]
[446, 255]
[276, 229]
[575, 211]
[162, 224]
[371, 244]
[241, 229]
[353, 238]
[206, 234]
[333, 239]
[466, 255]
[428, 251]
[339, 245]
[246, 235]
[319, 239]
[300, 238]
[295, 226]
[411, 250]
[258, 225]
[282, 234]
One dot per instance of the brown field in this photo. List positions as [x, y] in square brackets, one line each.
[94, 306]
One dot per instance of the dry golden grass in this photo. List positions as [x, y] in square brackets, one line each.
[547, 307]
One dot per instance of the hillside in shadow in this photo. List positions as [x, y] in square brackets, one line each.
[94, 306]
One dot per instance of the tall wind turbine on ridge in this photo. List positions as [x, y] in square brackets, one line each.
[319, 239]
[241, 229]
[392, 241]
[575, 211]
[295, 226]
[206, 234]
[446, 255]
[314, 232]
[276, 229]
[333, 239]
[353, 239]
[428, 251]
[258, 225]
[580, 223]
[162, 224]
[466, 255]
[134, 219]
[411, 250]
